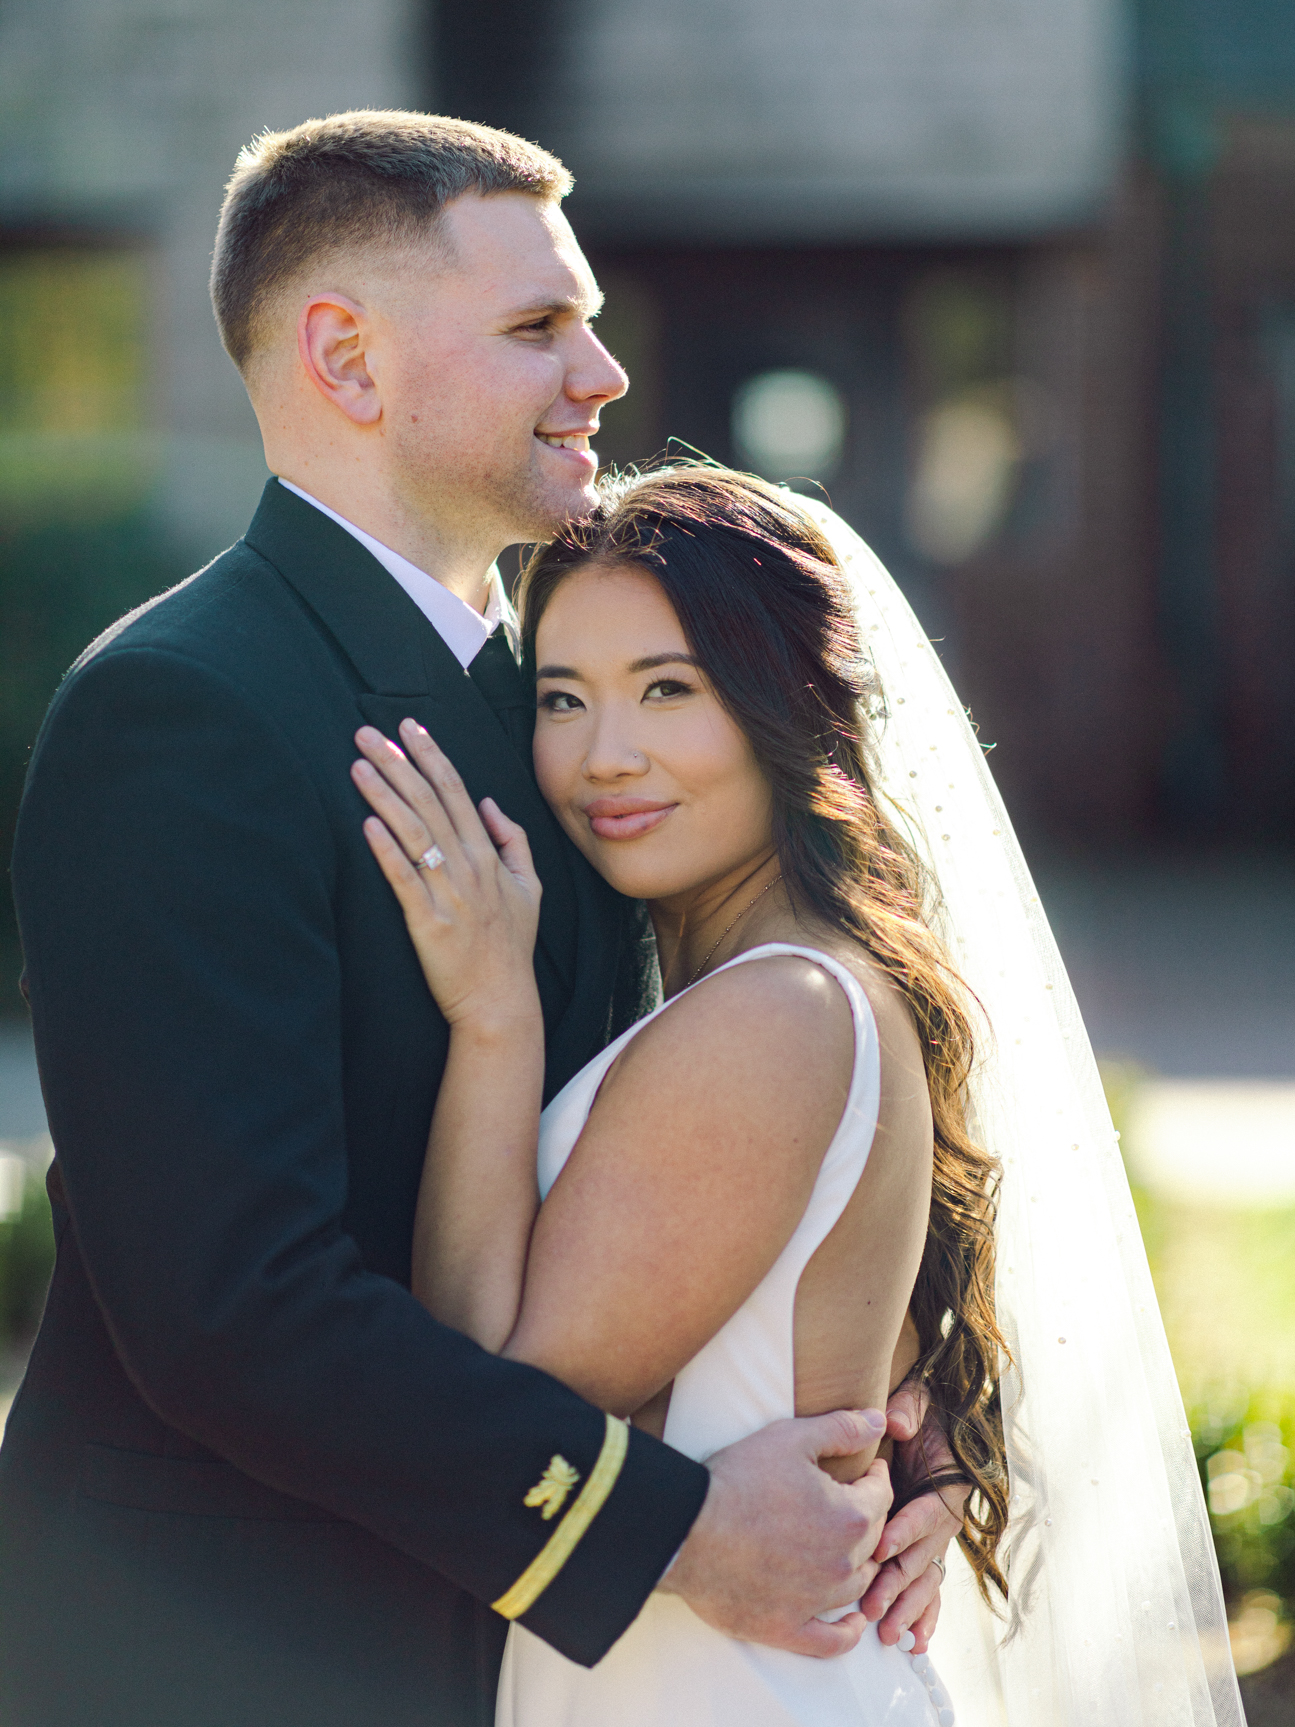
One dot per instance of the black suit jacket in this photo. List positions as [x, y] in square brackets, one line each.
[248, 1480]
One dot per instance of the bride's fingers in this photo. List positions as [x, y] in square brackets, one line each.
[410, 884]
[407, 783]
[413, 834]
[910, 1604]
[440, 773]
[510, 841]
[923, 1627]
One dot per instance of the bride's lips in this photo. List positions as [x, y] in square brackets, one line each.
[625, 818]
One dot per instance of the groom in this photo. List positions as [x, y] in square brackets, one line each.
[249, 1481]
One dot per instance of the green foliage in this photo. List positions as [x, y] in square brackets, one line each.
[1245, 1446]
[1225, 1278]
[62, 581]
[26, 1262]
[77, 320]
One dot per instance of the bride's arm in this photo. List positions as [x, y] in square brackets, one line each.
[689, 1178]
[473, 920]
[696, 1162]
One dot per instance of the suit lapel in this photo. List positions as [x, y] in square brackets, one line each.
[409, 672]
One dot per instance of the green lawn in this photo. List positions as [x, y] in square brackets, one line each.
[1225, 1276]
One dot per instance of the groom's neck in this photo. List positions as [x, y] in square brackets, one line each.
[453, 554]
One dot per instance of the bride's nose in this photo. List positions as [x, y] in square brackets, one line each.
[612, 752]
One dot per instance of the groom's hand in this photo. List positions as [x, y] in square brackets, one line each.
[779, 1541]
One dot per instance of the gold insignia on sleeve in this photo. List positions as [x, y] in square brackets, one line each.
[552, 1488]
[564, 1540]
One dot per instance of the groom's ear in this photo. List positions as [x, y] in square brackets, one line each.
[331, 334]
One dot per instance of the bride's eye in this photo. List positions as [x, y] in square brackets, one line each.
[560, 702]
[664, 688]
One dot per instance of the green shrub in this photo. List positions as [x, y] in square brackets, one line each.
[26, 1262]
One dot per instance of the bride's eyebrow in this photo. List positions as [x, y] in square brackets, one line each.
[649, 664]
[654, 660]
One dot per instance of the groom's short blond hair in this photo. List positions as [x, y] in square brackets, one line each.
[368, 178]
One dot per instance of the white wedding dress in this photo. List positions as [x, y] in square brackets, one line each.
[670, 1669]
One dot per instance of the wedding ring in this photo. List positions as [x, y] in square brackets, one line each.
[940, 1563]
[431, 859]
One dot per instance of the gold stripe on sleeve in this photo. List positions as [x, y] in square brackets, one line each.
[562, 1543]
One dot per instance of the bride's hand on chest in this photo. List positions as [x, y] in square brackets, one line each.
[462, 874]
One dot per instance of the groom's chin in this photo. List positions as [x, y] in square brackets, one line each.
[551, 514]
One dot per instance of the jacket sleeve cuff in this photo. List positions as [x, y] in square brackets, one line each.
[620, 1553]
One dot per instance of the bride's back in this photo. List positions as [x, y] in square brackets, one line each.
[854, 1339]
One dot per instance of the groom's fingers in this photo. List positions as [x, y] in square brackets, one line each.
[826, 1638]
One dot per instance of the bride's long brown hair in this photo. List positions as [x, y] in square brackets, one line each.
[767, 611]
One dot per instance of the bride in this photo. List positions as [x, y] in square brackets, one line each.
[777, 1193]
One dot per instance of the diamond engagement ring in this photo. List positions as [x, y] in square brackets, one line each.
[431, 859]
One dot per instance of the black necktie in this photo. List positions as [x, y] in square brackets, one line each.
[496, 674]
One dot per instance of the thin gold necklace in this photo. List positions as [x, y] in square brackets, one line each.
[736, 921]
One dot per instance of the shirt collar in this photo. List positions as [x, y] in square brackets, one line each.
[463, 630]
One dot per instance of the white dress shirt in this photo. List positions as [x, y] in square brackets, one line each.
[463, 630]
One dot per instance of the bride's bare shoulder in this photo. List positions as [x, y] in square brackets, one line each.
[776, 1022]
[896, 1026]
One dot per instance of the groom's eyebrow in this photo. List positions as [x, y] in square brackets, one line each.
[578, 305]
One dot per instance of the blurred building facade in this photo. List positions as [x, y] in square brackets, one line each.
[1014, 280]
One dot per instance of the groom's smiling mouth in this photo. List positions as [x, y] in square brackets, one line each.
[625, 818]
[575, 445]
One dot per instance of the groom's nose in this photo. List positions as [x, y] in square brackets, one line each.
[593, 375]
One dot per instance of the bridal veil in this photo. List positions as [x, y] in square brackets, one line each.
[1117, 1616]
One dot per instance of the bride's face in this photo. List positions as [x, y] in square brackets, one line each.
[642, 765]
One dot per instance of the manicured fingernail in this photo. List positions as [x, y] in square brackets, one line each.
[874, 1420]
